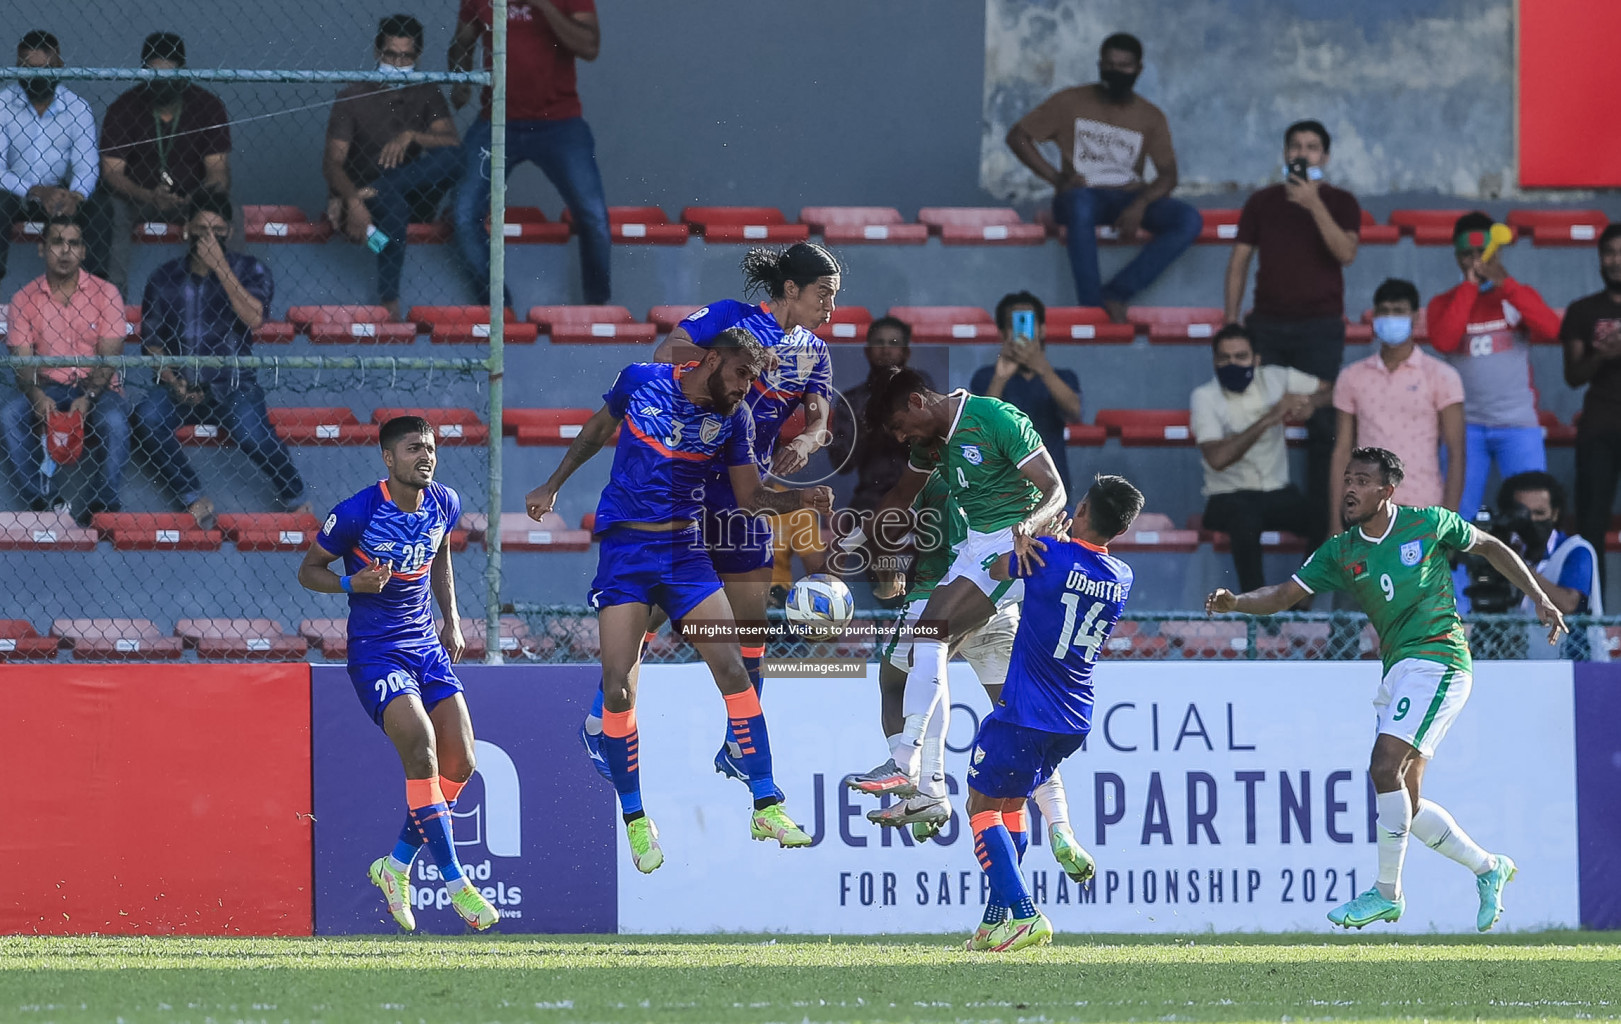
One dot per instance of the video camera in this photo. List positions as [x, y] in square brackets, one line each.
[1489, 591]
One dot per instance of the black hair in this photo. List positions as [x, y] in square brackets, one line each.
[1474, 220]
[62, 220]
[164, 46]
[208, 200]
[738, 342]
[399, 26]
[1123, 41]
[1232, 331]
[38, 39]
[400, 427]
[771, 269]
[1394, 289]
[889, 395]
[1611, 231]
[895, 322]
[1004, 309]
[1533, 480]
[1315, 127]
[1112, 505]
[1391, 472]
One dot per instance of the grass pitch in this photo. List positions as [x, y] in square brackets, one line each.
[507, 979]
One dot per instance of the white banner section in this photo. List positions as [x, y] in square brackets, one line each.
[1222, 795]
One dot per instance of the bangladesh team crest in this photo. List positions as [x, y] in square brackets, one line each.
[1412, 552]
[709, 430]
[972, 453]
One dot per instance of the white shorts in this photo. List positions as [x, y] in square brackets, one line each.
[1418, 701]
[987, 649]
[974, 559]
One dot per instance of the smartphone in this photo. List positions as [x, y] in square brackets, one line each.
[1024, 325]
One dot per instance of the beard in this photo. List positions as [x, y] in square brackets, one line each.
[1611, 283]
[719, 397]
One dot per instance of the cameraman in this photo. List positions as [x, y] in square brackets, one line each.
[1566, 566]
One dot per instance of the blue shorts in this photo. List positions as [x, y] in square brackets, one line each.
[381, 673]
[670, 570]
[738, 542]
[1009, 761]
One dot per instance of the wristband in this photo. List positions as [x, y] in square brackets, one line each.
[347, 583]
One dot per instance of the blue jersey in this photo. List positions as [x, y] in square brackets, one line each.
[804, 367]
[667, 448]
[1070, 607]
[369, 528]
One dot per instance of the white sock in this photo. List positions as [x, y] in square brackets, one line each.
[593, 725]
[1395, 821]
[1053, 801]
[455, 885]
[1437, 829]
[896, 741]
[925, 688]
[931, 777]
[394, 865]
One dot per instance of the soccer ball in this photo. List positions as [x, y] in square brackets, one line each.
[819, 606]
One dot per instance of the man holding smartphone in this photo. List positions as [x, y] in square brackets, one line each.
[1023, 378]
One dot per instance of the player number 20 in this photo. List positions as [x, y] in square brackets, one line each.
[394, 681]
[1088, 636]
[1388, 586]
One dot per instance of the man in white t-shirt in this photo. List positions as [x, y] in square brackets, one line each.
[1238, 423]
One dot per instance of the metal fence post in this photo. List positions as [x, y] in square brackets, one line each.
[498, 276]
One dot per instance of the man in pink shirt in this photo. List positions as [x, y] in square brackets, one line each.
[66, 312]
[1402, 400]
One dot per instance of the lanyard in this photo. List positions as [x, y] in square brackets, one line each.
[163, 140]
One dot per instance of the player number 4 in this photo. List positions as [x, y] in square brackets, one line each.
[962, 479]
[1088, 638]
[1388, 586]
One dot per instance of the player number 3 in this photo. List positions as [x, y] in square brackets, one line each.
[1388, 586]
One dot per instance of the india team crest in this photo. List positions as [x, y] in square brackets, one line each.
[709, 431]
[1412, 552]
[972, 453]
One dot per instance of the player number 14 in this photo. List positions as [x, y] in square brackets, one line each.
[1088, 637]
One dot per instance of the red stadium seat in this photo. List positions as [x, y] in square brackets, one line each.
[547, 427]
[155, 531]
[943, 324]
[132, 323]
[273, 332]
[552, 533]
[1197, 324]
[1130, 641]
[528, 225]
[641, 225]
[1559, 227]
[515, 641]
[345, 325]
[667, 318]
[269, 531]
[599, 325]
[116, 640]
[452, 426]
[283, 224]
[155, 232]
[1427, 227]
[1085, 435]
[1220, 226]
[847, 324]
[1204, 640]
[850, 225]
[468, 325]
[1147, 428]
[743, 224]
[1295, 641]
[1271, 540]
[44, 531]
[1554, 433]
[1374, 233]
[322, 426]
[436, 233]
[980, 225]
[241, 640]
[1154, 531]
[331, 636]
[20, 641]
[1085, 323]
[27, 230]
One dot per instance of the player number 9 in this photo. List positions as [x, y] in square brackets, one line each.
[1388, 586]
[1402, 707]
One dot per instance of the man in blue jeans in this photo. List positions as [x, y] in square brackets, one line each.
[390, 151]
[207, 303]
[544, 127]
[1104, 132]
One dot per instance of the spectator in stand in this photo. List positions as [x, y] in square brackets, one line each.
[66, 312]
[1565, 566]
[160, 143]
[1305, 233]
[48, 138]
[1402, 400]
[878, 460]
[1591, 334]
[1238, 423]
[1484, 327]
[1022, 376]
[208, 303]
[544, 126]
[390, 150]
[1104, 132]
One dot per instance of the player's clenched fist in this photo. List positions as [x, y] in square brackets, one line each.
[819, 498]
[1220, 602]
[372, 579]
[539, 502]
[450, 635]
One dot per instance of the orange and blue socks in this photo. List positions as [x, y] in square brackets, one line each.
[593, 718]
[753, 664]
[746, 724]
[999, 859]
[410, 840]
[431, 815]
[620, 745]
[1018, 826]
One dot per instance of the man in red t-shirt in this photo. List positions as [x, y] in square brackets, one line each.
[544, 127]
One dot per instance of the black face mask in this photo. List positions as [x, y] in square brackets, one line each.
[164, 93]
[37, 89]
[1235, 378]
[1117, 83]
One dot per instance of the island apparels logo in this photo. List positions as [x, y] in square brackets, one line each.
[495, 824]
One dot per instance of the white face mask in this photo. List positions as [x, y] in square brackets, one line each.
[385, 68]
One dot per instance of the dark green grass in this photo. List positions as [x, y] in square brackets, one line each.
[1528, 976]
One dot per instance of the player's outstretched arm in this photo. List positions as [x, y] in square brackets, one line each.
[1039, 470]
[314, 573]
[752, 496]
[678, 348]
[1266, 601]
[442, 580]
[1504, 560]
[598, 431]
[792, 457]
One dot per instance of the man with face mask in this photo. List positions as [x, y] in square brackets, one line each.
[161, 141]
[48, 142]
[1591, 335]
[1565, 565]
[391, 151]
[1104, 132]
[1238, 423]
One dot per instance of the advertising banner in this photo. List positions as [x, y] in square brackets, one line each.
[157, 799]
[1225, 795]
[1598, 791]
[534, 827]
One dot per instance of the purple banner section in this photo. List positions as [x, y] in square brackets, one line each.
[1598, 792]
[534, 828]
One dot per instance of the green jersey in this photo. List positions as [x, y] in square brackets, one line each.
[988, 444]
[1403, 582]
[937, 536]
